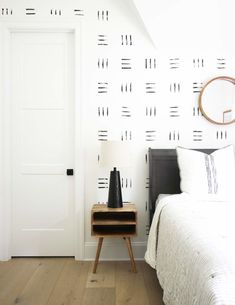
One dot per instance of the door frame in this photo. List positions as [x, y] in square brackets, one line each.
[5, 136]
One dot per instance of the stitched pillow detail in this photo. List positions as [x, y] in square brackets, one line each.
[201, 173]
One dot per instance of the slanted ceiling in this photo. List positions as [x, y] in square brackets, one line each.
[187, 23]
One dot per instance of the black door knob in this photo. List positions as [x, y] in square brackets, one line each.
[69, 172]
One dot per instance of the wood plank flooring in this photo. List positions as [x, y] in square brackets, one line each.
[64, 281]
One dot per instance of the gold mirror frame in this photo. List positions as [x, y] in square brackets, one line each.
[225, 78]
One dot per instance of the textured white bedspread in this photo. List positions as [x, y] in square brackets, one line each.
[193, 251]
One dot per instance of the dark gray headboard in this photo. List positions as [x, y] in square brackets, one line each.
[164, 174]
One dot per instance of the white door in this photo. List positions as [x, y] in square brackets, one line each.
[42, 144]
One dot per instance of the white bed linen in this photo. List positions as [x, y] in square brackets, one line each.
[193, 250]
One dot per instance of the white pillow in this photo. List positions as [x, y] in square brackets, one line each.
[203, 174]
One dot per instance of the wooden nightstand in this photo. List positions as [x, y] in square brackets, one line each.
[114, 222]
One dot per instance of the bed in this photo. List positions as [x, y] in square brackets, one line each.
[191, 242]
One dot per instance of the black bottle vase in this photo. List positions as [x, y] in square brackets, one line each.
[115, 190]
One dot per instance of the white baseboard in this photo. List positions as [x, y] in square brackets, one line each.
[114, 250]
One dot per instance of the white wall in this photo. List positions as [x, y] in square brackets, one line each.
[1, 157]
[181, 34]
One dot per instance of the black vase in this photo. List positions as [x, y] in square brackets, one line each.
[115, 191]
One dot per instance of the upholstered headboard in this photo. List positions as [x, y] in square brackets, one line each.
[164, 174]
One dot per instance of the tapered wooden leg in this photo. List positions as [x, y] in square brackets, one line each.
[98, 253]
[128, 243]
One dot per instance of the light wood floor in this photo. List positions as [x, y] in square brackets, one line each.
[64, 281]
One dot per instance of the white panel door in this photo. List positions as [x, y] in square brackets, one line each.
[42, 144]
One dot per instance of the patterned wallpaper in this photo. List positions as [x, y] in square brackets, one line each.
[133, 91]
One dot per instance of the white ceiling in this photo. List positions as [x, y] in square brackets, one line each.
[188, 23]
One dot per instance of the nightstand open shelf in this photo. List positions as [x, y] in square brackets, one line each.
[110, 222]
[114, 222]
[112, 230]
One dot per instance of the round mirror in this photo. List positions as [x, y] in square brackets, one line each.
[217, 100]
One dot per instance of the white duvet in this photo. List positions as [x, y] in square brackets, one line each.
[192, 246]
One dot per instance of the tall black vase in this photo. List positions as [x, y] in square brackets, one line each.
[115, 191]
